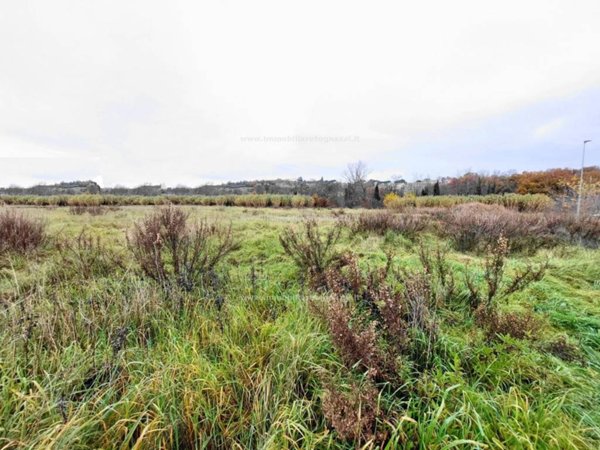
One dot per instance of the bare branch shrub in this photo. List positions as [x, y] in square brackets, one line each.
[87, 257]
[423, 326]
[20, 234]
[171, 252]
[380, 222]
[410, 225]
[312, 250]
[496, 286]
[438, 273]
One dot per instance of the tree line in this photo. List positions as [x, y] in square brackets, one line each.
[356, 189]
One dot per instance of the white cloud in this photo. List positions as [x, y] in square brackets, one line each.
[12, 147]
[549, 129]
[163, 92]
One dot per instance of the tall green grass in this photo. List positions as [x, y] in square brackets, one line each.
[110, 360]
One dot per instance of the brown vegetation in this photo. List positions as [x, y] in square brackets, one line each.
[353, 337]
[354, 414]
[518, 325]
[496, 286]
[409, 224]
[171, 252]
[92, 210]
[19, 233]
[311, 249]
[87, 257]
[563, 349]
[474, 227]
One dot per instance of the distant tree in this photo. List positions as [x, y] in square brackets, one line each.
[376, 194]
[436, 188]
[356, 173]
[425, 191]
[554, 181]
[356, 184]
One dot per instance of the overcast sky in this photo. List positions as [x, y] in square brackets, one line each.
[185, 92]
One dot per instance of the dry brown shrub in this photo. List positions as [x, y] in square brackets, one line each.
[563, 349]
[19, 233]
[496, 286]
[87, 257]
[438, 273]
[418, 300]
[393, 316]
[519, 325]
[346, 277]
[380, 222]
[354, 415]
[353, 337]
[171, 252]
[569, 229]
[376, 299]
[92, 210]
[406, 317]
[474, 227]
[312, 249]
[421, 318]
[403, 320]
[320, 202]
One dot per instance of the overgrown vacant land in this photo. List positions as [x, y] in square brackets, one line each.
[472, 326]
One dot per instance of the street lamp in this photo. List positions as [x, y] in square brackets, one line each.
[581, 179]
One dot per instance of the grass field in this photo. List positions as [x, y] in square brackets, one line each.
[95, 353]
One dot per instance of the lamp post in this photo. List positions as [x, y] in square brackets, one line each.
[581, 179]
